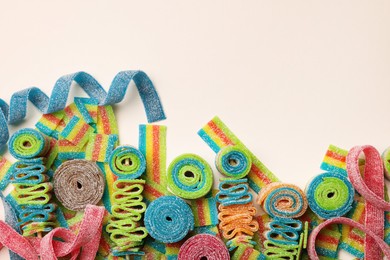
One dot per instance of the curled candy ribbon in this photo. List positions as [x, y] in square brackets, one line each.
[371, 187]
[87, 239]
[17, 110]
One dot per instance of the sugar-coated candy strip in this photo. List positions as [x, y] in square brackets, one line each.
[16, 243]
[31, 171]
[100, 147]
[28, 143]
[235, 242]
[109, 178]
[86, 240]
[57, 101]
[87, 107]
[203, 246]
[274, 250]
[32, 194]
[69, 151]
[77, 131]
[342, 220]
[205, 211]
[372, 189]
[5, 172]
[152, 143]
[169, 219]
[49, 122]
[217, 135]
[284, 231]
[51, 154]
[211, 230]
[330, 195]
[35, 219]
[233, 161]
[78, 183]
[237, 219]
[386, 162]
[106, 122]
[11, 219]
[282, 200]
[244, 252]
[127, 162]
[189, 176]
[335, 160]
[232, 191]
[127, 211]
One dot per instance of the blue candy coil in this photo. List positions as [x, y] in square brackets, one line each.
[232, 191]
[168, 219]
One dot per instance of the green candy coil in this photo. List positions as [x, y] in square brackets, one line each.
[189, 176]
[233, 161]
[28, 143]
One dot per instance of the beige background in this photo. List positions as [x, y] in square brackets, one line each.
[288, 77]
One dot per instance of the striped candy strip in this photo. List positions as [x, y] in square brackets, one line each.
[205, 211]
[335, 160]
[245, 251]
[87, 107]
[77, 131]
[172, 250]
[99, 147]
[52, 153]
[69, 151]
[5, 172]
[109, 178]
[327, 241]
[49, 123]
[152, 143]
[352, 240]
[217, 135]
[258, 237]
[212, 230]
[106, 121]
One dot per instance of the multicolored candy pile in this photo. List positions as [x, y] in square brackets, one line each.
[73, 191]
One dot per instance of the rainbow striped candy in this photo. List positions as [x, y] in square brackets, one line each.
[217, 135]
[152, 143]
[205, 211]
[49, 123]
[212, 230]
[5, 172]
[172, 250]
[245, 251]
[334, 160]
[77, 131]
[52, 153]
[100, 146]
[106, 122]
[87, 108]
[110, 178]
[69, 151]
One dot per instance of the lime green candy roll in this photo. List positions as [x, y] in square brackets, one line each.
[233, 161]
[330, 195]
[28, 143]
[127, 162]
[189, 176]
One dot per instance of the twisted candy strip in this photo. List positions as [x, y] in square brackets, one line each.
[127, 210]
[16, 111]
[233, 191]
[372, 189]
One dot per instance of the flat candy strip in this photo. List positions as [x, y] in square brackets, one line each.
[17, 109]
[330, 195]
[152, 143]
[203, 246]
[5, 172]
[342, 220]
[77, 131]
[49, 123]
[335, 160]
[283, 200]
[189, 176]
[217, 135]
[99, 147]
[205, 211]
[169, 219]
[106, 121]
[244, 252]
[372, 189]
